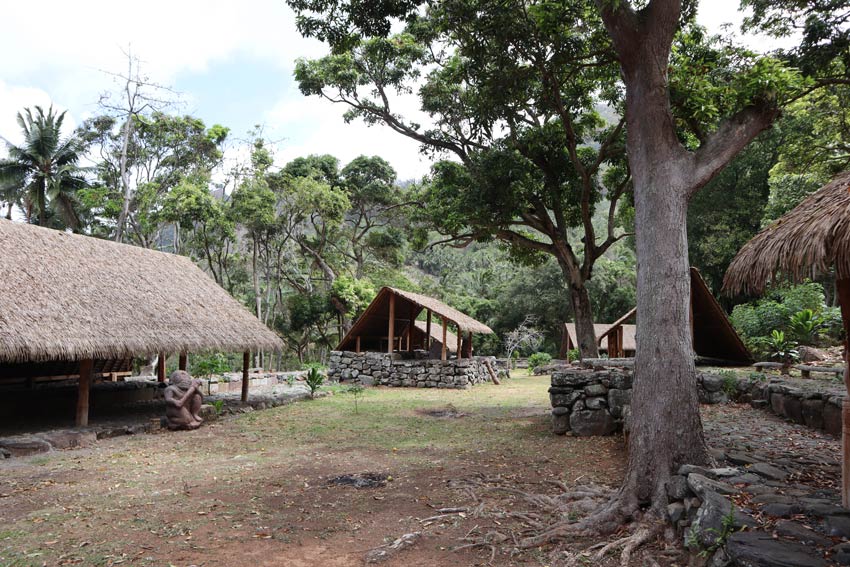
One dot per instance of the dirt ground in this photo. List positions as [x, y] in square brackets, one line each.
[254, 489]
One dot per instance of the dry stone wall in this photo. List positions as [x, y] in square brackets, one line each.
[596, 401]
[383, 369]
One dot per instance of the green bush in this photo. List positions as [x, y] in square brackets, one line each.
[730, 382]
[805, 326]
[573, 355]
[833, 325]
[539, 359]
[760, 318]
[314, 381]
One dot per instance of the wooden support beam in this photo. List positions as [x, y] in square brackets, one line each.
[469, 347]
[184, 361]
[83, 392]
[427, 345]
[410, 323]
[443, 355]
[246, 382]
[160, 367]
[357, 342]
[391, 331]
[843, 288]
[459, 345]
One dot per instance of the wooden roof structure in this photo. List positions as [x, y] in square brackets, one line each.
[806, 242]
[602, 330]
[386, 323]
[78, 302]
[436, 334]
[713, 334]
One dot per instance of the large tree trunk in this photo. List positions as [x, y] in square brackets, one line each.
[665, 429]
[585, 332]
[580, 301]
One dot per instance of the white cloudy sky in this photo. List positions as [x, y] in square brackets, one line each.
[232, 62]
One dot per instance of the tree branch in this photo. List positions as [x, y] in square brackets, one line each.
[727, 141]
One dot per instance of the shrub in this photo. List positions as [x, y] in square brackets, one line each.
[539, 359]
[833, 325]
[314, 381]
[573, 355]
[730, 382]
[805, 326]
[355, 390]
[782, 349]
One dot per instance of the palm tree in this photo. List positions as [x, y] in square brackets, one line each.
[41, 175]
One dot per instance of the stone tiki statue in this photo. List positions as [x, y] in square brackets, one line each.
[183, 401]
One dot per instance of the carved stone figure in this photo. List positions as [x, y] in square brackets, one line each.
[183, 399]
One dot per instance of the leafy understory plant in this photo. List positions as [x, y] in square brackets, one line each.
[782, 349]
[805, 325]
[314, 381]
[218, 405]
[356, 390]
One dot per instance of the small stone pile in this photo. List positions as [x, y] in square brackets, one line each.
[383, 369]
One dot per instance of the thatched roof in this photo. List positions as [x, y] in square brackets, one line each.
[71, 297]
[463, 321]
[373, 324]
[805, 243]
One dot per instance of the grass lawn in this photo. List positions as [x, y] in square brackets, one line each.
[253, 489]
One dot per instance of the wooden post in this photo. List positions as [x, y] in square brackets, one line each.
[410, 323]
[160, 367]
[427, 345]
[443, 355]
[246, 362]
[391, 331]
[83, 391]
[184, 361]
[358, 344]
[469, 338]
[843, 288]
[459, 343]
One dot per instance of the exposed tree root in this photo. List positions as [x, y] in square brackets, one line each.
[578, 512]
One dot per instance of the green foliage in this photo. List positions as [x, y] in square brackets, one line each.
[218, 405]
[539, 359]
[355, 390]
[314, 381]
[786, 192]
[42, 175]
[805, 326]
[781, 348]
[573, 355]
[352, 294]
[730, 382]
[210, 364]
[774, 311]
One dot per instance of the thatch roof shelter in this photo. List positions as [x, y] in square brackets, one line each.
[385, 326]
[82, 304]
[713, 334]
[806, 242]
